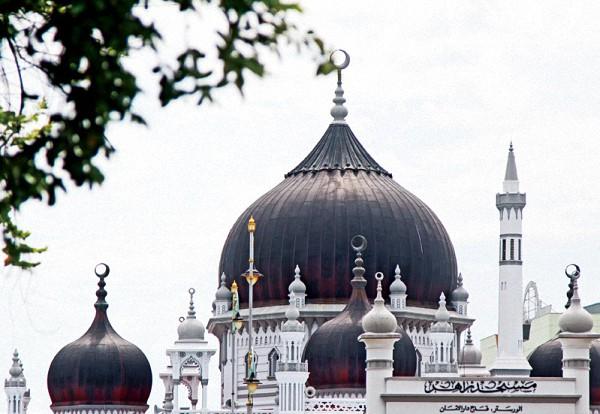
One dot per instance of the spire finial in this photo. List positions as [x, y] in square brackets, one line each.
[297, 272]
[398, 272]
[102, 270]
[510, 148]
[16, 369]
[339, 111]
[460, 279]
[469, 340]
[223, 279]
[359, 244]
[251, 225]
[192, 311]
[379, 278]
[575, 319]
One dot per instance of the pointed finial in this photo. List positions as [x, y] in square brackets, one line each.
[379, 278]
[102, 270]
[442, 301]
[359, 244]
[297, 272]
[16, 369]
[469, 340]
[460, 279]
[397, 286]
[234, 287]
[191, 311]
[223, 279]
[251, 225]
[510, 148]
[339, 111]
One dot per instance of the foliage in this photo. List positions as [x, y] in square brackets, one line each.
[78, 47]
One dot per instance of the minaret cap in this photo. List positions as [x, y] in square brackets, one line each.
[297, 286]
[460, 294]
[223, 293]
[397, 286]
[251, 225]
[442, 317]
[16, 370]
[575, 319]
[379, 320]
[511, 166]
[190, 328]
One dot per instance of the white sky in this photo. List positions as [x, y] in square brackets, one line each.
[436, 90]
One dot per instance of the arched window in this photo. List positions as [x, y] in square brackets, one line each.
[273, 358]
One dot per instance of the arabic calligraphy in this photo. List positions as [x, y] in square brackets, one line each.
[483, 387]
[459, 408]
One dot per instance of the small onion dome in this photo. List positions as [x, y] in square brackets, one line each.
[575, 319]
[460, 294]
[397, 286]
[345, 368]
[292, 314]
[297, 287]
[469, 354]
[379, 320]
[442, 317]
[190, 328]
[100, 368]
[546, 361]
[16, 370]
[223, 293]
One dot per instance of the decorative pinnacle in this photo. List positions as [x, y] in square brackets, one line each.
[510, 148]
[251, 225]
[469, 340]
[191, 312]
[379, 278]
[297, 272]
[234, 287]
[573, 272]
[460, 279]
[16, 369]
[339, 111]
[359, 244]
[223, 279]
[397, 272]
[102, 270]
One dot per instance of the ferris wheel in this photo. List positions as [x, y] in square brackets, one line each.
[531, 302]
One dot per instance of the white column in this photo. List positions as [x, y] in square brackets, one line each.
[576, 364]
[380, 365]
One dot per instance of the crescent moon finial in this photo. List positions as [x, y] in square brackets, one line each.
[339, 111]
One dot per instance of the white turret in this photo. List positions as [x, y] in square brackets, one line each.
[442, 337]
[15, 387]
[510, 359]
[222, 298]
[398, 291]
[576, 336]
[460, 297]
[380, 335]
[291, 372]
[469, 360]
[188, 363]
[298, 289]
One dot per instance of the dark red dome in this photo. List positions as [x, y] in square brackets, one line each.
[100, 368]
[546, 361]
[336, 359]
[337, 191]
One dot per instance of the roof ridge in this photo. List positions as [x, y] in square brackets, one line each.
[338, 149]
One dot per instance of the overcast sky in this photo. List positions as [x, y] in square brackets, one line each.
[436, 91]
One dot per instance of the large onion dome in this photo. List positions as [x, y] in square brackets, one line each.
[100, 368]
[339, 190]
[345, 368]
[546, 361]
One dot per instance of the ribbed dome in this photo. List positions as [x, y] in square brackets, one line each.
[337, 191]
[345, 368]
[546, 361]
[100, 368]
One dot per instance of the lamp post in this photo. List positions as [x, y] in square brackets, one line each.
[236, 324]
[252, 276]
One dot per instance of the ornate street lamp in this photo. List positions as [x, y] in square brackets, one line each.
[252, 276]
[237, 323]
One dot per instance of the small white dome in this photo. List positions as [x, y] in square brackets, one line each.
[397, 286]
[223, 293]
[460, 294]
[379, 319]
[190, 328]
[575, 319]
[297, 287]
[292, 314]
[469, 354]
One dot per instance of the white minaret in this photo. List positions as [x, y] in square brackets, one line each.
[510, 359]
[380, 328]
[297, 289]
[222, 301]
[291, 372]
[15, 387]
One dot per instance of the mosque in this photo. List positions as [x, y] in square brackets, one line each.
[339, 293]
